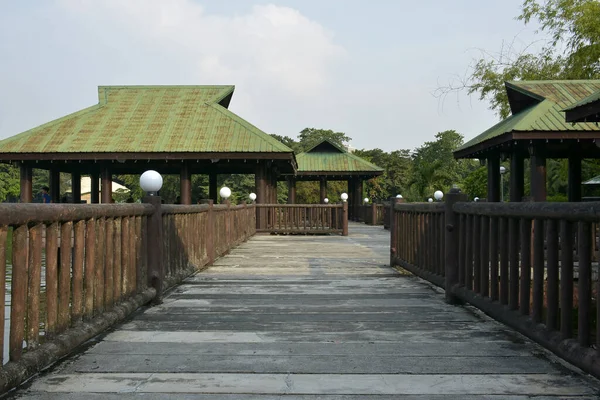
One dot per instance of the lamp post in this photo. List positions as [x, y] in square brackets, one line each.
[430, 200]
[151, 182]
[326, 200]
[366, 200]
[344, 197]
[502, 172]
[438, 195]
[252, 197]
[225, 193]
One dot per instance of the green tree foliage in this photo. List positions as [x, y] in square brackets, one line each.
[475, 184]
[310, 137]
[9, 183]
[572, 52]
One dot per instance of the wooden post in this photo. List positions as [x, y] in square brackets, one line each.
[373, 213]
[55, 185]
[185, 184]
[493, 182]
[322, 189]
[345, 218]
[291, 190]
[106, 186]
[517, 177]
[95, 188]
[26, 184]
[76, 187]
[212, 186]
[451, 247]
[260, 177]
[155, 247]
[538, 174]
[574, 189]
[393, 233]
[210, 233]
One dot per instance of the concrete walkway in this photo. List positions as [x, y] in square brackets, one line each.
[296, 317]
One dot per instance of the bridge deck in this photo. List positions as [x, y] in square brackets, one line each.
[310, 318]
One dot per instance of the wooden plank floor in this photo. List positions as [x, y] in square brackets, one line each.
[296, 317]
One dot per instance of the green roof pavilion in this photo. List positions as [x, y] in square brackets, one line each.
[586, 110]
[172, 129]
[327, 161]
[537, 129]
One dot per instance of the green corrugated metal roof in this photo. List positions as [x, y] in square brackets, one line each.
[335, 160]
[161, 119]
[590, 99]
[547, 114]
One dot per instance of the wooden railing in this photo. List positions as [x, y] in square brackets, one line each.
[528, 265]
[303, 218]
[371, 214]
[79, 269]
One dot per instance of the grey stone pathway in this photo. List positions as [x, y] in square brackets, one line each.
[298, 318]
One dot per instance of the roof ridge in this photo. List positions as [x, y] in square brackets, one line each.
[340, 148]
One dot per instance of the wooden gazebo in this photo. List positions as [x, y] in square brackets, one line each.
[328, 161]
[181, 130]
[537, 129]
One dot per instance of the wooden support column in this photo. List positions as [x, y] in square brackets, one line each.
[26, 184]
[322, 189]
[55, 185]
[493, 181]
[517, 177]
[106, 178]
[574, 190]
[274, 187]
[185, 184]
[538, 174]
[291, 190]
[212, 187]
[357, 198]
[76, 187]
[95, 188]
[351, 199]
[261, 194]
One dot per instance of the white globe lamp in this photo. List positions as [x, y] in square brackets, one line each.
[438, 195]
[398, 196]
[344, 197]
[476, 199]
[151, 182]
[325, 200]
[252, 196]
[366, 200]
[225, 192]
[430, 200]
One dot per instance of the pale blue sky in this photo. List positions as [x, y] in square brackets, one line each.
[367, 68]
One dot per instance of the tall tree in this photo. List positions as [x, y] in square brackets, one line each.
[571, 52]
[310, 137]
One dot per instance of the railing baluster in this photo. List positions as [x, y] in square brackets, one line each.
[538, 271]
[461, 249]
[78, 253]
[484, 274]
[18, 295]
[108, 263]
[100, 266]
[125, 256]
[513, 258]
[476, 253]
[584, 286]
[90, 271]
[35, 280]
[524, 297]
[64, 275]
[504, 260]
[552, 271]
[469, 252]
[494, 252]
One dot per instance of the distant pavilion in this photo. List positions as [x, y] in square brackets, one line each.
[327, 161]
[550, 119]
[181, 130]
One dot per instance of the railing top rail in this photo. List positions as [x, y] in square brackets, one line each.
[588, 211]
[184, 209]
[300, 205]
[420, 207]
[26, 213]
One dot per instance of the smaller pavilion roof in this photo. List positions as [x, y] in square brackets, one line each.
[328, 158]
[537, 113]
[586, 110]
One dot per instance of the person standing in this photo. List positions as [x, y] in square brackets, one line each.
[45, 195]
